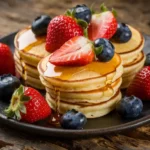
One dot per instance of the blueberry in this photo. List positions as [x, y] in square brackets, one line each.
[8, 84]
[82, 12]
[104, 49]
[73, 120]
[40, 24]
[147, 61]
[129, 107]
[123, 33]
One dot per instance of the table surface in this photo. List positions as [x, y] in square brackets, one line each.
[16, 14]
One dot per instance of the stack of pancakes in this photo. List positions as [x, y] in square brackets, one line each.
[93, 89]
[132, 56]
[29, 50]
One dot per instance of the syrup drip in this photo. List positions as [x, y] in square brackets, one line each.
[55, 117]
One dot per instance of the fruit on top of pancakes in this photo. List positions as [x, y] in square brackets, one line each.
[123, 33]
[104, 49]
[77, 51]
[7, 65]
[28, 105]
[102, 25]
[61, 29]
[73, 120]
[147, 61]
[82, 12]
[140, 85]
[40, 24]
[129, 107]
[8, 84]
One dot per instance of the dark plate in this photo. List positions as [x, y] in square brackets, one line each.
[103, 125]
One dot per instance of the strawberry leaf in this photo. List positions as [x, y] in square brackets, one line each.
[82, 23]
[103, 8]
[23, 109]
[114, 12]
[17, 114]
[98, 50]
[24, 98]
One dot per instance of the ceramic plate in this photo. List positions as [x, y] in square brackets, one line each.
[99, 126]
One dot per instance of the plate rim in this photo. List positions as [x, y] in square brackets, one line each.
[69, 133]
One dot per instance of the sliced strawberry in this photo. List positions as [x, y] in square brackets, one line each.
[77, 51]
[103, 25]
[140, 86]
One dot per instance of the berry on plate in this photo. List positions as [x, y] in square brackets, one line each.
[103, 25]
[123, 33]
[104, 49]
[7, 65]
[28, 105]
[61, 29]
[129, 107]
[75, 52]
[40, 24]
[8, 84]
[82, 12]
[73, 120]
[140, 85]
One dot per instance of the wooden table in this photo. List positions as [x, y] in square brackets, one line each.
[16, 14]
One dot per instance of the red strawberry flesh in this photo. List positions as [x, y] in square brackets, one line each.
[103, 25]
[140, 86]
[75, 52]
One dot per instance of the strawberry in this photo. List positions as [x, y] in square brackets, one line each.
[28, 105]
[61, 29]
[103, 25]
[7, 65]
[75, 52]
[140, 86]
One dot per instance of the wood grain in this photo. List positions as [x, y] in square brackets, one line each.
[17, 14]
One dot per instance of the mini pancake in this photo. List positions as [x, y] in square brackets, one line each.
[90, 111]
[83, 78]
[30, 48]
[92, 96]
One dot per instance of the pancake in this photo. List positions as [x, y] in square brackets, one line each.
[90, 111]
[92, 89]
[29, 51]
[132, 56]
[30, 48]
[90, 77]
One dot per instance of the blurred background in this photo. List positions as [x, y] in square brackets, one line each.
[17, 14]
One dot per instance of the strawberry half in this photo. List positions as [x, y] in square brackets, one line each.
[61, 29]
[103, 25]
[75, 52]
[140, 86]
[28, 105]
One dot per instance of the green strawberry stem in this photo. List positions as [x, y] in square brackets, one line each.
[17, 104]
[103, 8]
[98, 50]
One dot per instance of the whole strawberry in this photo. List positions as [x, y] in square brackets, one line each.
[28, 105]
[103, 25]
[140, 86]
[61, 29]
[7, 65]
